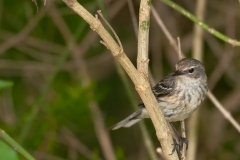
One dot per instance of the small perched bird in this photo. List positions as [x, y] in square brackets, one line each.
[178, 94]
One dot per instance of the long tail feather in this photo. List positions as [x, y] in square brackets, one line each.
[129, 121]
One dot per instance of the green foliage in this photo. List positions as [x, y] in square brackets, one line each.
[71, 103]
[120, 153]
[5, 84]
[7, 152]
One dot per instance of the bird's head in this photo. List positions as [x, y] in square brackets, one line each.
[191, 68]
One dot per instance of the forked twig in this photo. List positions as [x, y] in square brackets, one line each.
[115, 34]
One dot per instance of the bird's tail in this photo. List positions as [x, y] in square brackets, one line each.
[130, 120]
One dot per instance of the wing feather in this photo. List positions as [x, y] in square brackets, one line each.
[165, 86]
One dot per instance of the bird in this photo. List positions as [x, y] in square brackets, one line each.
[178, 94]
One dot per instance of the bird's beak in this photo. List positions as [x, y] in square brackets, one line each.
[178, 73]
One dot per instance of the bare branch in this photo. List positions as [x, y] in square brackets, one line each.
[225, 113]
[164, 29]
[143, 36]
[180, 54]
[115, 34]
[183, 155]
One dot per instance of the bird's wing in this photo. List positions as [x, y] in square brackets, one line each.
[165, 86]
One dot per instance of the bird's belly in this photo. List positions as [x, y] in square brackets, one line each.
[180, 108]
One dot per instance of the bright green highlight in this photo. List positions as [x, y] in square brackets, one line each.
[201, 24]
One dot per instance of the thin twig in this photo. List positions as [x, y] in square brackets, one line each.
[201, 23]
[115, 34]
[225, 113]
[133, 17]
[164, 29]
[15, 145]
[180, 55]
[183, 154]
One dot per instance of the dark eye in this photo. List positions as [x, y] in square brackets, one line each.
[191, 70]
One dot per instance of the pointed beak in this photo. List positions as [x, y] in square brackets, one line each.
[178, 73]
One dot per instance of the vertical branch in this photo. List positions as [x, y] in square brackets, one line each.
[142, 66]
[145, 135]
[197, 54]
[143, 36]
[183, 155]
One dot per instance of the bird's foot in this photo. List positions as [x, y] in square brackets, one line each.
[175, 146]
[183, 140]
[179, 146]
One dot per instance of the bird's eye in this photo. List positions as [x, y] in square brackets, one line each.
[191, 70]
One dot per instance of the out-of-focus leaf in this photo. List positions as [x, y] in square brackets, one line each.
[6, 152]
[5, 84]
[120, 153]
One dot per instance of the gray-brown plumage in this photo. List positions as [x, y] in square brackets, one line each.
[178, 94]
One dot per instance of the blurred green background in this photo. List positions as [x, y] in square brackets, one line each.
[66, 84]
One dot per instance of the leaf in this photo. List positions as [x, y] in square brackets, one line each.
[6, 152]
[5, 84]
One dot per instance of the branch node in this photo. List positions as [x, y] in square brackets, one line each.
[144, 61]
[141, 88]
[94, 26]
[103, 43]
[96, 16]
[119, 53]
[141, 67]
